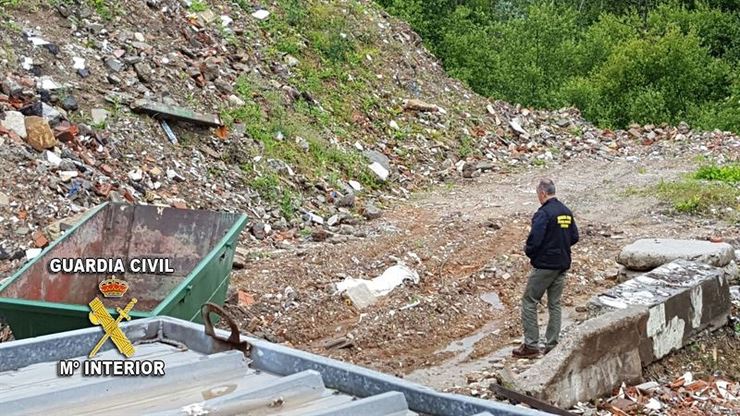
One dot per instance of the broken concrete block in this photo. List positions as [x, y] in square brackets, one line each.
[683, 298]
[596, 356]
[360, 295]
[15, 122]
[648, 254]
[631, 326]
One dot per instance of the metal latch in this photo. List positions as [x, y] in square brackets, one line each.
[234, 339]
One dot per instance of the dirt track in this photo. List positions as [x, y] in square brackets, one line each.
[466, 242]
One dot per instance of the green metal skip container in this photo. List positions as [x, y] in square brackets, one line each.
[197, 246]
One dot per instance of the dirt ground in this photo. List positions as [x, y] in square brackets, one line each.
[466, 242]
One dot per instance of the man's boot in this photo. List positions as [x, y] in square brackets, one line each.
[525, 351]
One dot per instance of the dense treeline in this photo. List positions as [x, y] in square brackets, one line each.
[619, 61]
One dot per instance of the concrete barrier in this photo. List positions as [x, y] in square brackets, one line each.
[597, 355]
[630, 326]
[683, 298]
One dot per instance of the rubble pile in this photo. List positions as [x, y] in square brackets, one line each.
[72, 134]
[685, 395]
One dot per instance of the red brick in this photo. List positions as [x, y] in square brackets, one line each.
[245, 299]
[39, 239]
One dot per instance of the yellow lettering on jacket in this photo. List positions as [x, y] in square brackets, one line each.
[564, 221]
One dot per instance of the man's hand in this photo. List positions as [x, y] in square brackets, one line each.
[536, 234]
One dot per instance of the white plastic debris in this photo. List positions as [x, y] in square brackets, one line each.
[393, 277]
[261, 14]
[653, 404]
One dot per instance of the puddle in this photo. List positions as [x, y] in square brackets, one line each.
[466, 344]
[492, 299]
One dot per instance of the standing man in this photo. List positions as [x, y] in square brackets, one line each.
[548, 246]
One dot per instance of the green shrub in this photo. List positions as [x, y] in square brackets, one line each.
[726, 173]
[619, 62]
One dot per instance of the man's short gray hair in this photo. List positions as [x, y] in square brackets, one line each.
[547, 186]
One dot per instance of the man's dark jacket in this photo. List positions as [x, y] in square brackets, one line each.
[553, 232]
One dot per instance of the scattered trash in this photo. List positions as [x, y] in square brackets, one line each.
[364, 292]
[712, 395]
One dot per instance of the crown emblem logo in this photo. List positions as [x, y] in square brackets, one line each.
[113, 287]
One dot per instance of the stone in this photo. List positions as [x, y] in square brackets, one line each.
[143, 71]
[320, 234]
[236, 101]
[70, 103]
[380, 171]
[106, 169]
[39, 134]
[647, 254]
[394, 125]
[418, 105]
[333, 220]
[12, 88]
[208, 16]
[469, 170]
[347, 201]
[15, 122]
[52, 159]
[48, 84]
[114, 64]
[260, 230]
[377, 157]
[51, 114]
[136, 175]
[99, 116]
[355, 185]
[68, 175]
[485, 165]
[291, 61]
[4, 200]
[371, 212]
[634, 133]
[261, 14]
